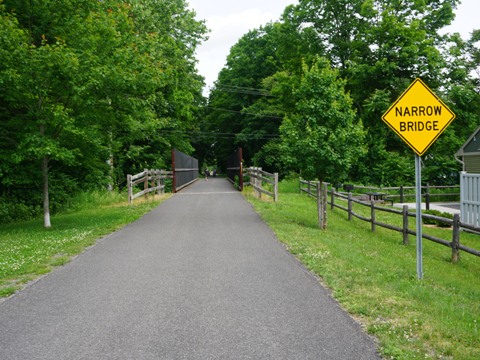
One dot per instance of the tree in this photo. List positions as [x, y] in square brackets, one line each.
[379, 46]
[39, 99]
[87, 82]
[323, 133]
[234, 105]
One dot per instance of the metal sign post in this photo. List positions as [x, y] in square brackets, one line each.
[418, 117]
[418, 185]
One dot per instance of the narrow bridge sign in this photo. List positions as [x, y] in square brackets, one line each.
[418, 117]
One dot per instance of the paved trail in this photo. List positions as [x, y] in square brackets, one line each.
[200, 277]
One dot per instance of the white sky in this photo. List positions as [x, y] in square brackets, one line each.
[229, 20]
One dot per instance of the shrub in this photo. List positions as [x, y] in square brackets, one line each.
[11, 211]
[437, 222]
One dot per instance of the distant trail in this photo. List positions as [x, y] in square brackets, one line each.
[200, 277]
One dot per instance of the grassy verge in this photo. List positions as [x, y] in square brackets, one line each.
[374, 277]
[27, 250]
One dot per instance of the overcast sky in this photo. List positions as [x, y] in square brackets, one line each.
[229, 20]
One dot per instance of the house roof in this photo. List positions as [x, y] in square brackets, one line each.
[471, 146]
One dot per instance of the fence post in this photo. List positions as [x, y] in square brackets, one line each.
[319, 208]
[300, 185]
[456, 239]
[349, 206]
[163, 177]
[332, 202]
[152, 179]
[259, 169]
[240, 174]
[406, 240]
[158, 181]
[308, 184]
[275, 188]
[145, 182]
[324, 204]
[255, 181]
[401, 194]
[251, 172]
[427, 198]
[174, 173]
[129, 187]
[372, 211]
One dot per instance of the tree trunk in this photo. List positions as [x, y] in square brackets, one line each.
[325, 204]
[110, 163]
[110, 173]
[322, 205]
[46, 199]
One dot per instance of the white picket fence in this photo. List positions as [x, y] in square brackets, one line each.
[470, 198]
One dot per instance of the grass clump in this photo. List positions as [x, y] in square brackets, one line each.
[27, 250]
[374, 277]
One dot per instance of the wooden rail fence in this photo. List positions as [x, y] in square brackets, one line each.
[258, 177]
[348, 201]
[402, 193]
[153, 180]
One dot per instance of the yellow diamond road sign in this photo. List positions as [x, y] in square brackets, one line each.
[418, 117]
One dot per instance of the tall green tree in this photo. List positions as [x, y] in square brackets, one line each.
[89, 82]
[379, 46]
[42, 122]
[323, 133]
[238, 88]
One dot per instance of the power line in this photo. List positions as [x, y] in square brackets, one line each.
[244, 112]
[244, 90]
[224, 135]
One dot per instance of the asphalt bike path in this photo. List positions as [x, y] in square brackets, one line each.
[200, 277]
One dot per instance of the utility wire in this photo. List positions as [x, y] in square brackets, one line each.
[244, 112]
[224, 135]
[244, 90]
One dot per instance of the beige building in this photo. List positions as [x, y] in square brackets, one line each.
[469, 153]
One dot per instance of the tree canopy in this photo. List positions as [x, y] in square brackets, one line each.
[92, 90]
[376, 48]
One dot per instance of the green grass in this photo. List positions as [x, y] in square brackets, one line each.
[27, 250]
[374, 278]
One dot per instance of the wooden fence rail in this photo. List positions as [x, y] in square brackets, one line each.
[402, 193]
[258, 177]
[346, 204]
[153, 180]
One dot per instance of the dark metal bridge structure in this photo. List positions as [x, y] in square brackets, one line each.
[235, 168]
[185, 170]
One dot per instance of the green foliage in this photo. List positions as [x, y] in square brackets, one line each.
[236, 182]
[322, 133]
[238, 107]
[437, 222]
[83, 83]
[16, 211]
[379, 48]
[275, 156]
[94, 198]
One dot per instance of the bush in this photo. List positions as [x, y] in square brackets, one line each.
[11, 211]
[437, 222]
[290, 184]
[236, 182]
